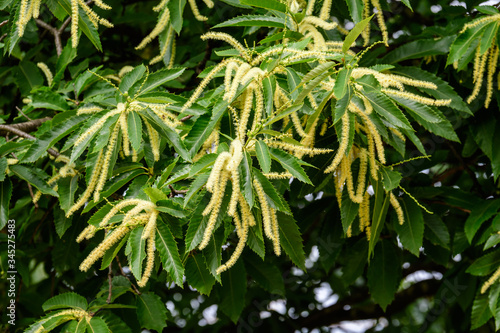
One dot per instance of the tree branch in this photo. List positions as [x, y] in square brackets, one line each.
[27, 127]
[17, 131]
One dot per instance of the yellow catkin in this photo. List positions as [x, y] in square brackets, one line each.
[364, 212]
[196, 11]
[90, 187]
[297, 125]
[160, 26]
[246, 213]
[310, 7]
[264, 206]
[492, 66]
[150, 262]
[74, 23]
[397, 207]
[325, 10]
[228, 39]
[154, 141]
[479, 78]
[245, 114]
[480, 21]
[116, 208]
[417, 98]
[344, 142]
[151, 225]
[45, 69]
[259, 110]
[87, 233]
[242, 70]
[381, 22]
[219, 195]
[490, 281]
[98, 125]
[99, 251]
[366, 32]
[363, 166]
[125, 137]
[170, 42]
[243, 236]
[276, 234]
[276, 175]
[105, 164]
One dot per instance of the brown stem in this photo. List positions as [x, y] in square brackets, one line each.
[55, 32]
[110, 280]
[16, 130]
[125, 275]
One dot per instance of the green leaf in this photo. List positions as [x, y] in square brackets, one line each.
[204, 162]
[137, 247]
[489, 10]
[486, 264]
[66, 188]
[342, 83]
[197, 274]
[291, 164]
[246, 178]
[196, 185]
[380, 207]
[463, 42]
[274, 199]
[3, 168]
[176, 8]
[112, 252]
[171, 207]
[35, 177]
[168, 133]
[356, 8]
[28, 77]
[134, 127]
[340, 107]
[97, 325]
[407, 3]
[46, 99]
[253, 20]
[390, 178]
[490, 31]
[169, 254]
[384, 274]
[196, 227]
[155, 80]
[436, 231]
[151, 311]
[131, 78]
[213, 253]
[419, 49]
[233, 291]
[283, 114]
[66, 300]
[348, 211]
[291, 240]
[5, 195]
[480, 311]
[354, 34]
[267, 275]
[84, 24]
[480, 214]
[411, 233]
[263, 156]
[49, 138]
[430, 114]
[387, 109]
[267, 4]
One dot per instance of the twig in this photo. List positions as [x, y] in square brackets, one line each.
[186, 118]
[21, 112]
[125, 275]
[3, 23]
[28, 126]
[110, 277]
[175, 192]
[55, 32]
[10, 128]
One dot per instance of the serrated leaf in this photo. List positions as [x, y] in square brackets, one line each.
[291, 240]
[134, 127]
[176, 8]
[384, 274]
[480, 214]
[35, 177]
[348, 211]
[5, 195]
[151, 311]
[380, 208]
[28, 77]
[268, 276]
[267, 4]
[490, 31]
[46, 99]
[342, 83]
[430, 114]
[66, 188]
[155, 80]
[171, 207]
[436, 231]
[233, 291]
[66, 300]
[419, 49]
[390, 178]
[97, 325]
[253, 21]
[463, 42]
[486, 264]
[49, 138]
[263, 156]
[246, 178]
[169, 254]
[137, 247]
[204, 162]
[275, 200]
[354, 34]
[411, 233]
[197, 274]
[480, 311]
[387, 109]
[291, 164]
[356, 9]
[131, 78]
